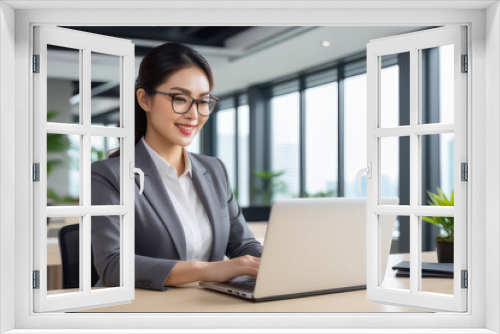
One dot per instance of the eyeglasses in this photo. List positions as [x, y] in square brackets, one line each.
[182, 103]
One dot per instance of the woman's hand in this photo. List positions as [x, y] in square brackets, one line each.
[192, 271]
[222, 271]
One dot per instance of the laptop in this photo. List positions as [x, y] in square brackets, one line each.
[312, 246]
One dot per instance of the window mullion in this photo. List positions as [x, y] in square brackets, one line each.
[236, 180]
[415, 171]
[302, 137]
[85, 161]
[341, 132]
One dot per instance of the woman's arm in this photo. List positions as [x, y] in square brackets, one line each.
[221, 271]
[150, 272]
[241, 239]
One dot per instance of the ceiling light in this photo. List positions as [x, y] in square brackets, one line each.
[325, 43]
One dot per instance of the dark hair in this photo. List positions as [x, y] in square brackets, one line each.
[156, 67]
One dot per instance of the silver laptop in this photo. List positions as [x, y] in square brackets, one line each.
[312, 246]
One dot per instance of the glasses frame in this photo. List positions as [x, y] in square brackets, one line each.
[173, 95]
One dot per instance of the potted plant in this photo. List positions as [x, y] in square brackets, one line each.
[270, 185]
[444, 242]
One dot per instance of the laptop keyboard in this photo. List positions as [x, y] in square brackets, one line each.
[248, 283]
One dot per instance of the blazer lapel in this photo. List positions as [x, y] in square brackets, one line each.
[203, 184]
[160, 201]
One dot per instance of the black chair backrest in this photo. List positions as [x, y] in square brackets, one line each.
[69, 246]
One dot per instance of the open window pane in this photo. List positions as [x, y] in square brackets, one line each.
[63, 169]
[392, 252]
[433, 154]
[437, 262]
[395, 168]
[394, 90]
[63, 85]
[63, 255]
[106, 255]
[105, 89]
[437, 85]
[101, 148]
[437, 161]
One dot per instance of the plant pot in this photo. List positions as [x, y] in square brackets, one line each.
[444, 251]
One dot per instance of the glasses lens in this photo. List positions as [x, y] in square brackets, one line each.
[206, 106]
[181, 103]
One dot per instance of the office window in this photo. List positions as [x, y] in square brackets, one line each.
[321, 140]
[285, 134]
[243, 190]
[225, 134]
[418, 162]
[354, 133]
[78, 141]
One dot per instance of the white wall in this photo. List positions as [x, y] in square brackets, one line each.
[7, 165]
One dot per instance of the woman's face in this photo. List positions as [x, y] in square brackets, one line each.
[164, 123]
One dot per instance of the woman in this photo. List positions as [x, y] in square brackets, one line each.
[187, 218]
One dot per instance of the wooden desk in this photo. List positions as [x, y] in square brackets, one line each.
[192, 298]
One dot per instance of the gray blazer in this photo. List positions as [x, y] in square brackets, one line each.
[159, 237]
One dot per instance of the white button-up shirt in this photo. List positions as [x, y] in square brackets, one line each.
[188, 206]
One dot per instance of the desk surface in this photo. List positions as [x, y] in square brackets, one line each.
[191, 298]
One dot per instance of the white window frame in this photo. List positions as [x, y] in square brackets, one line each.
[484, 49]
[86, 43]
[414, 43]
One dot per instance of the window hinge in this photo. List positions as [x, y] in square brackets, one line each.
[36, 63]
[465, 64]
[36, 172]
[465, 279]
[465, 171]
[36, 279]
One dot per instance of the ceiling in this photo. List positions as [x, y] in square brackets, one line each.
[240, 56]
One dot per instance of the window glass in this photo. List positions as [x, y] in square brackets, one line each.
[63, 85]
[105, 90]
[389, 98]
[285, 144]
[321, 140]
[437, 85]
[243, 155]
[63, 169]
[226, 132]
[62, 236]
[355, 133]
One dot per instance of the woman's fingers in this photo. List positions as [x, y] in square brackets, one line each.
[226, 270]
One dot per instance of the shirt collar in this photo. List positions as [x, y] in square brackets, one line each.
[163, 166]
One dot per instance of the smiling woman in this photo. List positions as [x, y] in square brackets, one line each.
[188, 218]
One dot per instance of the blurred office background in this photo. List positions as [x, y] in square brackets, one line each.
[291, 120]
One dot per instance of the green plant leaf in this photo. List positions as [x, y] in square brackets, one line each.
[446, 223]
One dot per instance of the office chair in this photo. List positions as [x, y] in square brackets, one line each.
[69, 246]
